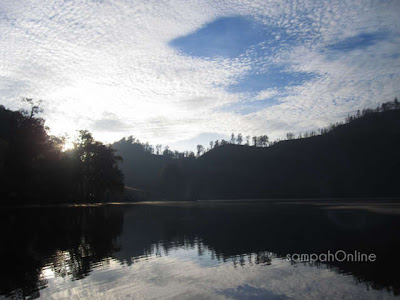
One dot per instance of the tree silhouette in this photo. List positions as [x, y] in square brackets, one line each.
[34, 168]
[263, 141]
[97, 167]
[255, 139]
[35, 107]
[233, 138]
[168, 153]
[289, 136]
[158, 149]
[239, 139]
[200, 150]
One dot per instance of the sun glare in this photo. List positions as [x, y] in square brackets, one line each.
[67, 146]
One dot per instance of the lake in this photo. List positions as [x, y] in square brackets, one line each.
[202, 250]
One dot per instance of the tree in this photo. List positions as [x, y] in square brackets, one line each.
[211, 144]
[263, 140]
[289, 136]
[254, 141]
[97, 168]
[34, 107]
[233, 138]
[385, 106]
[239, 139]
[396, 103]
[168, 153]
[148, 148]
[158, 149]
[200, 150]
[27, 150]
[247, 140]
[178, 155]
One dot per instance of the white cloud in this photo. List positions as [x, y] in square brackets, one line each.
[266, 94]
[87, 57]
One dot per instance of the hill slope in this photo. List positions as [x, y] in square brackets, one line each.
[357, 159]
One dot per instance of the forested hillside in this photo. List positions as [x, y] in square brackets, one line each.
[356, 158]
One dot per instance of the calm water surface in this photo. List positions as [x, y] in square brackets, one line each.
[201, 250]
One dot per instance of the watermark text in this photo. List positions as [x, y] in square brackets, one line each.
[339, 256]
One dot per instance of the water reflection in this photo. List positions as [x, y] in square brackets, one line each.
[71, 240]
[209, 249]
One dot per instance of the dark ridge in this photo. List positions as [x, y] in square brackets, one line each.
[358, 158]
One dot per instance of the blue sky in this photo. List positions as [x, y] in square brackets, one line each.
[181, 72]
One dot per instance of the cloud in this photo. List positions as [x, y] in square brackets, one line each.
[265, 94]
[110, 123]
[248, 107]
[198, 67]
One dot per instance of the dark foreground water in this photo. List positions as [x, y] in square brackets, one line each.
[202, 250]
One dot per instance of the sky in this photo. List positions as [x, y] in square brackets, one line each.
[182, 73]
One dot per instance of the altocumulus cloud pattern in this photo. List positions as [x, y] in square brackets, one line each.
[182, 72]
